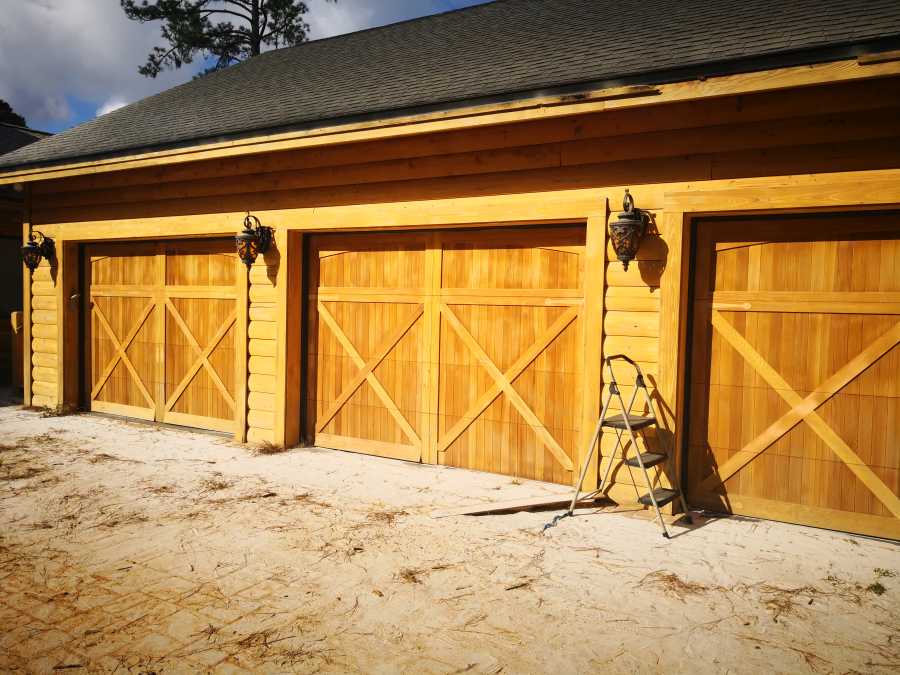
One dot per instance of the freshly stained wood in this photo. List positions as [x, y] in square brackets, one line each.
[808, 130]
[367, 373]
[460, 339]
[161, 320]
[481, 347]
[547, 501]
[794, 403]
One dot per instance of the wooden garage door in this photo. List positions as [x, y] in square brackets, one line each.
[161, 329]
[460, 348]
[795, 378]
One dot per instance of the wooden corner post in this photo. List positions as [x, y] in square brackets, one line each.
[673, 312]
[26, 307]
[592, 331]
[241, 366]
[68, 305]
[288, 385]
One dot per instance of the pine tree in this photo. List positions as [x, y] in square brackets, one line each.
[228, 31]
[8, 115]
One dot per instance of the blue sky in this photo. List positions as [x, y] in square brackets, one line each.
[63, 62]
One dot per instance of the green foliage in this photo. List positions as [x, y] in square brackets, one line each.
[228, 31]
[8, 115]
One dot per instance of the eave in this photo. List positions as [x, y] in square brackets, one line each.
[525, 109]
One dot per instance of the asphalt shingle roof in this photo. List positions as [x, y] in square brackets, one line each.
[12, 136]
[495, 50]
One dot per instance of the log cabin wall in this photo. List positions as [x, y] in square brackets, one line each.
[262, 348]
[727, 142]
[44, 343]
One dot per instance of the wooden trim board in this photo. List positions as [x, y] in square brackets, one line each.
[547, 501]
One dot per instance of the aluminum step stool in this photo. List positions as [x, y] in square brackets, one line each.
[630, 423]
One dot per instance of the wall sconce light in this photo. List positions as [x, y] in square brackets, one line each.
[627, 230]
[255, 238]
[34, 250]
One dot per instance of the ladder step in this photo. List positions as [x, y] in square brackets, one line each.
[648, 458]
[636, 422]
[663, 496]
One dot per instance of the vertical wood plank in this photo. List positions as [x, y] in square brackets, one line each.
[86, 335]
[293, 347]
[68, 304]
[26, 308]
[672, 331]
[592, 341]
[313, 384]
[431, 375]
[281, 253]
[60, 296]
[241, 370]
[159, 333]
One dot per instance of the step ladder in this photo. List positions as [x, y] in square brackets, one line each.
[628, 423]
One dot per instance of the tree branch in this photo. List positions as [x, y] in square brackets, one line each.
[240, 3]
[209, 12]
[240, 29]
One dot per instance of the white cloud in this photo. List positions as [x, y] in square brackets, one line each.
[81, 50]
[53, 106]
[344, 16]
[60, 54]
[326, 19]
[112, 104]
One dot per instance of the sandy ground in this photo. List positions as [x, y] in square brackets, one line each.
[132, 548]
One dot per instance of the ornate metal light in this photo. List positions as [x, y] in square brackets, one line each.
[35, 249]
[255, 238]
[627, 231]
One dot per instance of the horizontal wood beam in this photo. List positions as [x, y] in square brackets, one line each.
[536, 153]
[497, 210]
[811, 302]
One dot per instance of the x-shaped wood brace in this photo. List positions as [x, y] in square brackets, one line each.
[203, 354]
[121, 348]
[503, 383]
[366, 372]
[803, 409]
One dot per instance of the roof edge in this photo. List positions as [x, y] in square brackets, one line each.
[726, 78]
[28, 129]
[389, 115]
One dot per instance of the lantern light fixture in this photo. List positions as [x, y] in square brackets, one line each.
[627, 231]
[38, 246]
[254, 239]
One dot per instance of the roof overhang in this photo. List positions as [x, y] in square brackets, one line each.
[529, 108]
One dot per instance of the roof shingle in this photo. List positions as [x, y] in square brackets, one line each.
[12, 136]
[500, 49]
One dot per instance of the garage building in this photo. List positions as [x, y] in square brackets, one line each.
[442, 286]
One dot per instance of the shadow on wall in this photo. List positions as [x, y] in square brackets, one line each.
[651, 270]
[700, 462]
[272, 259]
